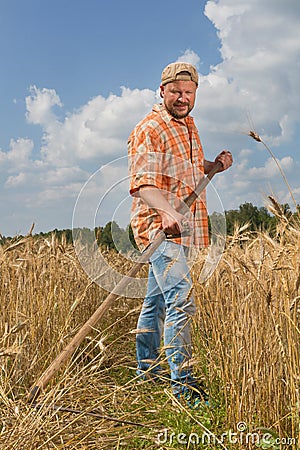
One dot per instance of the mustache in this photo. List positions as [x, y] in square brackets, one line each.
[181, 104]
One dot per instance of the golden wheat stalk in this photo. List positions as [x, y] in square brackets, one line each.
[257, 138]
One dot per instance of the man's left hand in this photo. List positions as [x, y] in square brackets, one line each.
[225, 158]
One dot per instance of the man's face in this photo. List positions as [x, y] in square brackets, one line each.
[179, 97]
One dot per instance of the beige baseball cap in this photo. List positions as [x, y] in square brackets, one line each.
[179, 71]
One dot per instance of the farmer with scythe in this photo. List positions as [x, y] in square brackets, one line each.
[166, 162]
[169, 218]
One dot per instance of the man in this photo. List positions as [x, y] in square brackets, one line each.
[166, 163]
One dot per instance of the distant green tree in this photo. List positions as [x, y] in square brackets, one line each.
[131, 237]
[287, 210]
[258, 218]
[116, 238]
[106, 235]
[232, 219]
[217, 225]
[69, 236]
[84, 235]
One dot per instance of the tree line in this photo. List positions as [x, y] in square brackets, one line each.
[112, 236]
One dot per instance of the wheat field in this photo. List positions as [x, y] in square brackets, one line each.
[246, 352]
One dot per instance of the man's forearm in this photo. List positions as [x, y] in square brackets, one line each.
[154, 198]
[208, 166]
[170, 218]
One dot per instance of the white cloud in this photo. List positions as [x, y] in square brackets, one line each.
[225, 15]
[271, 169]
[60, 195]
[189, 56]
[16, 180]
[39, 106]
[19, 154]
[98, 130]
[260, 65]
[64, 175]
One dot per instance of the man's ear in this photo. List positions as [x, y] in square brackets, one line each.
[162, 91]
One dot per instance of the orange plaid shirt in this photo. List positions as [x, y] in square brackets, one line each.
[166, 153]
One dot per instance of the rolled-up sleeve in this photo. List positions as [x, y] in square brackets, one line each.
[145, 161]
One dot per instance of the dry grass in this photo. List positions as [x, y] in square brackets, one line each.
[246, 349]
[250, 316]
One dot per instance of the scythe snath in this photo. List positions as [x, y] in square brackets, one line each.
[40, 384]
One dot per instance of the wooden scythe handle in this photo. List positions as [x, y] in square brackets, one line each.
[36, 389]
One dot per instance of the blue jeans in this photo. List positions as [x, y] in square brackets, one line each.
[167, 309]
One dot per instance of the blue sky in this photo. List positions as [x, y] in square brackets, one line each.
[77, 75]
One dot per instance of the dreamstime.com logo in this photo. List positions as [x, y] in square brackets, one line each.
[259, 438]
[105, 198]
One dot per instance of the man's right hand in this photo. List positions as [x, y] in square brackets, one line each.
[172, 223]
